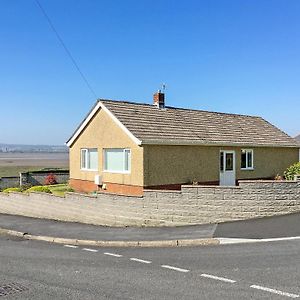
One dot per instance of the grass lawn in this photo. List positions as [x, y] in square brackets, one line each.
[11, 164]
[59, 189]
[15, 170]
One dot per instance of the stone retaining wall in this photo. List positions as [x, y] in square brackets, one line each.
[191, 205]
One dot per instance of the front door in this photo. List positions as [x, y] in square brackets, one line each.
[227, 167]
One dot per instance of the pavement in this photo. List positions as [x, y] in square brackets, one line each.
[82, 234]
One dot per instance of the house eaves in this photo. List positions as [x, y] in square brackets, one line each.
[216, 144]
[99, 105]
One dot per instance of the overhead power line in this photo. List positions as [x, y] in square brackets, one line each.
[65, 47]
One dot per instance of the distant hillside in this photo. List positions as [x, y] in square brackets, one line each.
[32, 148]
[297, 137]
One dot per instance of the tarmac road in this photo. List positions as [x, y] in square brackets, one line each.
[246, 271]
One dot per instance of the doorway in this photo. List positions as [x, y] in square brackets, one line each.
[227, 167]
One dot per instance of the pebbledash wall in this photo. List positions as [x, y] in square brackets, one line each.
[191, 205]
[33, 178]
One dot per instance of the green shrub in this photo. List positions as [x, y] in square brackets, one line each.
[12, 189]
[60, 189]
[25, 187]
[292, 171]
[39, 188]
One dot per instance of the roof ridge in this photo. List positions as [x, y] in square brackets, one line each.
[179, 108]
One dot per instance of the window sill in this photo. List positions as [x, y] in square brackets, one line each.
[91, 170]
[247, 169]
[116, 172]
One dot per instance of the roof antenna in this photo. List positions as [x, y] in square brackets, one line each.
[163, 88]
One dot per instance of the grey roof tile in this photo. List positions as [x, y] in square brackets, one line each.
[177, 125]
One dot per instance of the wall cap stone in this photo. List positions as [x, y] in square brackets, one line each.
[81, 194]
[268, 181]
[210, 186]
[162, 191]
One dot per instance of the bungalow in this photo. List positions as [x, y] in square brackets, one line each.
[124, 147]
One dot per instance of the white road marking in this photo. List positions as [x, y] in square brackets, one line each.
[225, 241]
[175, 268]
[113, 254]
[70, 246]
[258, 287]
[218, 278]
[90, 250]
[291, 238]
[140, 260]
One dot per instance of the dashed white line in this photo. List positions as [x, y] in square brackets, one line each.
[90, 250]
[70, 246]
[113, 254]
[218, 278]
[258, 287]
[140, 260]
[175, 268]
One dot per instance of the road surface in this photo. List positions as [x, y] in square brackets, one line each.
[37, 270]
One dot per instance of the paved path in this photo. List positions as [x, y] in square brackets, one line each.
[274, 227]
[249, 271]
[91, 232]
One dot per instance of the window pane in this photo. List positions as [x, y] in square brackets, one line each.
[221, 161]
[243, 159]
[249, 159]
[127, 160]
[93, 159]
[229, 162]
[83, 158]
[114, 160]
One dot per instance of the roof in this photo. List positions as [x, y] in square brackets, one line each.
[148, 124]
[297, 138]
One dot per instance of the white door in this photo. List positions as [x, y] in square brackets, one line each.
[227, 167]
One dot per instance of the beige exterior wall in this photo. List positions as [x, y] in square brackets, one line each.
[153, 165]
[104, 132]
[165, 165]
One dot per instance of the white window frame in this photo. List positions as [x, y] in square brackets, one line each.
[118, 172]
[87, 150]
[252, 160]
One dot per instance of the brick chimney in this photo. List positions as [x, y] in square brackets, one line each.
[159, 99]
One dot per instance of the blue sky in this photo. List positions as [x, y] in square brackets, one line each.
[231, 56]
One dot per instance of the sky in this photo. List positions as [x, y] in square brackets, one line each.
[236, 56]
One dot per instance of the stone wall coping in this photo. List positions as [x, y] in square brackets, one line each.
[41, 193]
[162, 191]
[120, 195]
[210, 186]
[17, 193]
[81, 194]
[268, 181]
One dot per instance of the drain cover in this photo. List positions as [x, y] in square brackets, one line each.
[11, 288]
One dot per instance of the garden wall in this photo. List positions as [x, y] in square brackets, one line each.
[7, 182]
[191, 205]
[33, 178]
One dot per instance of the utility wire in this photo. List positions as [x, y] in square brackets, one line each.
[65, 47]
